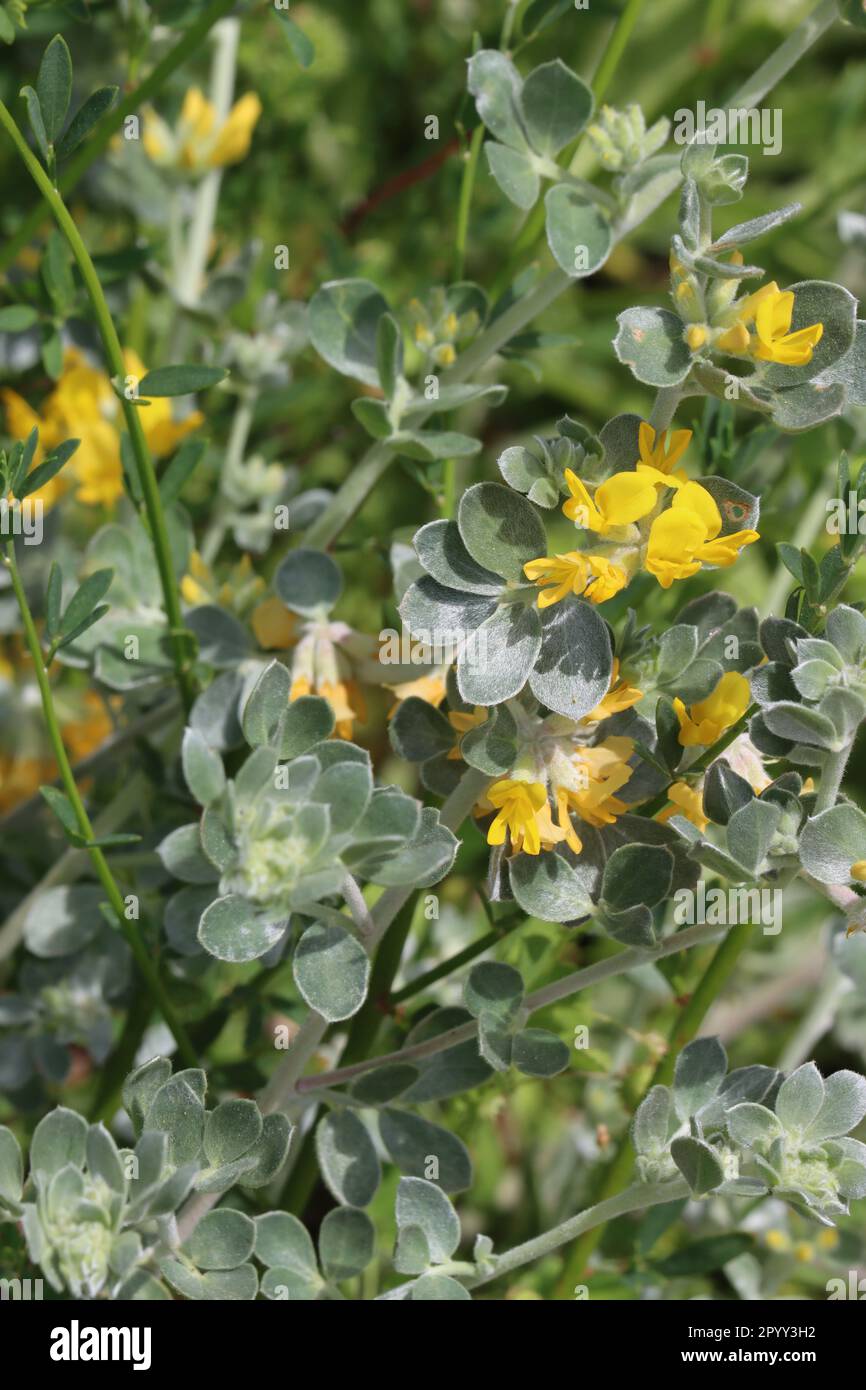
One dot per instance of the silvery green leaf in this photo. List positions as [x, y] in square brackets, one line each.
[281, 1239]
[389, 353]
[411, 1253]
[216, 840]
[103, 1159]
[11, 1169]
[421, 1149]
[269, 1152]
[637, 875]
[390, 819]
[556, 106]
[424, 859]
[444, 556]
[178, 1111]
[752, 1084]
[450, 1072]
[725, 792]
[546, 886]
[500, 529]
[222, 640]
[842, 1109]
[845, 709]
[800, 724]
[214, 713]
[800, 1098]
[424, 1205]
[619, 439]
[266, 705]
[59, 1139]
[538, 1052]
[444, 617]
[231, 1130]
[347, 1158]
[495, 664]
[678, 647]
[283, 1284]
[202, 768]
[418, 731]
[753, 1125]
[807, 405]
[343, 320]
[818, 301]
[756, 226]
[846, 629]
[650, 341]
[495, 1044]
[231, 930]
[346, 789]
[332, 971]
[125, 1252]
[182, 854]
[652, 1122]
[495, 84]
[751, 830]
[385, 1083]
[180, 379]
[699, 1071]
[226, 1285]
[493, 991]
[429, 445]
[308, 581]
[37, 123]
[633, 926]
[222, 1239]
[140, 1088]
[347, 1242]
[439, 1288]
[492, 746]
[647, 188]
[573, 670]
[739, 510]
[832, 841]
[849, 371]
[515, 173]
[139, 1286]
[578, 233]
[698, 1163]
[373, 415]
[85, 118]
[256, 773]
[62, 920]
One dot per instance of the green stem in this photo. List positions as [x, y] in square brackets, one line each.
[635, 1198]
[457, 961]
[467, 185]
[616, 46]
[101, 137]
[831, 778]
[117, 370]
[112, 892]
[685, 1029]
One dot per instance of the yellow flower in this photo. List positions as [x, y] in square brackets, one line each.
[804, 1251]
[524, 814]
[770, 310]
[707, 720]
[241, 588]
[660, 452]
[827, 1239]
[83, 406]
[597, 578]
[687, 801]
[461, 721]
[200, 142]
[274, 627]
[697, 335]
[430, 688]
[687, 535]
[622, 500]
[605, 770]
[858, 871]
[778, 1241]
[620, 696]
[21, 778]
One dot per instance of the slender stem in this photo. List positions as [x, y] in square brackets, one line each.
[663, 411]
[616, 46]
[467, 186]
[101, 136]
[103, 872]
[564, 988]
[457, 961]
[635, 1198]
[831, 777]
[770, 73]
[684, 1030]
[114, 357]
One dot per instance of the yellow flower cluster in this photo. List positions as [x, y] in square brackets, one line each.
[318, 666]
[670, 544]
[83, 406]
[200, 141]
[701, 726]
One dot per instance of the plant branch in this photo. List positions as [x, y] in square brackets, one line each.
[117, 370]
[128, 928]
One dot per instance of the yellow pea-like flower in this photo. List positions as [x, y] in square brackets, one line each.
[708, 719]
